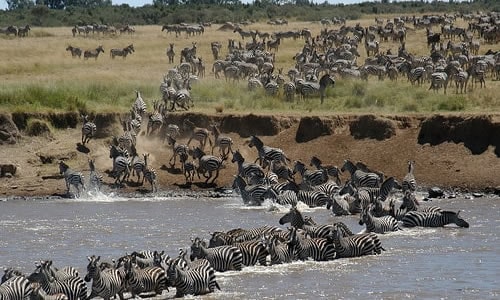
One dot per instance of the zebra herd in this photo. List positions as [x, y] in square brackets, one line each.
[16, 31]
[94, 53]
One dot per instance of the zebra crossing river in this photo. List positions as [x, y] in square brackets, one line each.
[419, 263]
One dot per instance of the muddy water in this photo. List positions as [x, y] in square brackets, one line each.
[449, 263]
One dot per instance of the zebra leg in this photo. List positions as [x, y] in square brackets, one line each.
[216, 175]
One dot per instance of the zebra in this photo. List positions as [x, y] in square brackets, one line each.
[122, 52]
[39, 293]
[121, 165]
[149, 279]
[155, 120]
[289, 90]
[476, 74]
[23, 31]
[88, 129]
[75, 51]
[416, 75]
[171, 54]
[182, 97]
[143, 259]
[188, 167]
[439, 80]
[196, 281]
[279, 251]
[16, 288]
[355, 245]
[433, 219]
[368, 195]
[105, 283]
[254, 83]
[313, 198]
[73, 287]
[360, 178]
[295, 218]
[222, 258]
[266, 153]
[95, 179]
[253, 252]
[319, 249]
[93, 53]
[223, 142]
[251, 195]
[310, 177]
[177, 149]
[307, 88]
[150, 174]
[207, 164]
[137, 164]
[378, 225]
[333, 171]
[461, 78]
[139, 105]
[241, 235]
[197, 133]
[409, 183]
[246, 169]
[281, 170]
[72, 178]
[9, 273]
[286, 197]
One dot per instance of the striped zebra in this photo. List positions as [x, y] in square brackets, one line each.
[251, 195]
[416, 75]
[271, 87]
[150, 174]
[222, 258]
[137, 165]
[198, 281]
[147, 280]
[93, 53]
[266, 153]
[139, 105]
[246, 169]
[439, 80]
[16, 288]
[253, 252]
[172, 130]
[75, 51]
[254, 83]
[242, 235]
[330, 188]
[177, 149]
[409, 183]
[283, 198]
[313, 198]
[39, 294]
[182, 97]
[360, 178]
[197, 133]
[88, 129]
[340, 206]
[281, 170]
[223, 142]
[72, 178]
[123, 52]
[461, 79]
[368, 195]
[9, 273]
[143, 259]
[279, 251]
[105, 283]
[155, 119]
[409, 203]
[308, 88]
[289, 90]
[355, 245]
[476, 74]
[95, 179]
[171, 54]
[295, 218]
[377, 224]
[332, 171]
[188, 168]
[433, 219]
[121, 166]
[310, 177]
[73, 287]
[319, 249]
[207, 165]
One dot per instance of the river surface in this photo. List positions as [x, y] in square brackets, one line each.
[438, 263]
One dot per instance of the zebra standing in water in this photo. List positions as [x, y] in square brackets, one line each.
[88, 129]
[73, 287]
[39, 293]
[253, 252]
[360, 178]
[409, 183]
[16, 288]
[355, 245]
[378, 225]
[310, 177]
[222, 258]
[279, 251]
[72, 178]
[433, 219]
[105, 283]
[95, 179]
[149, 279]
[319, 249]
[295, 218]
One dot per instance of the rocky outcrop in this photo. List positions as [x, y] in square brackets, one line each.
[9, 132]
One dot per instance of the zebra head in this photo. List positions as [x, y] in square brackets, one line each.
[196, 248]
[455, 218]
[237, 157]
[294, 217]
[92, 267]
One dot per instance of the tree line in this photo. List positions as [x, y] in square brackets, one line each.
[49, 13]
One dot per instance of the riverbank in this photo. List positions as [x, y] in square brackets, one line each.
[456, 152]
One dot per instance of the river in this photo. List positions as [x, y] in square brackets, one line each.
[419, 263]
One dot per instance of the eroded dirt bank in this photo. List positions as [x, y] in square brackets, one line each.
[451, 151]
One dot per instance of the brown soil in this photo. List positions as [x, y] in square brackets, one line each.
[451, 151]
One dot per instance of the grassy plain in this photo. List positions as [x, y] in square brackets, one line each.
[37, 74]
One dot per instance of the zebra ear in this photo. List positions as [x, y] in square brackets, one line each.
[89, 258]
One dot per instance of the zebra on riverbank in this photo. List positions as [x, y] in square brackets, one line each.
[72, 178]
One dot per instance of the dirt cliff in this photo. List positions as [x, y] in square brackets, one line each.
[451, 151]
